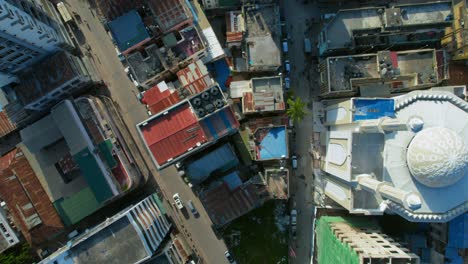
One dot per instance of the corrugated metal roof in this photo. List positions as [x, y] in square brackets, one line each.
[6, 159]
[234, 36]
[214, 47]
[5, 124]
[160, 97]
[195, 77]
[238, 88]
[171, 135]
[219, 124]
[248, 102]
[220, 159]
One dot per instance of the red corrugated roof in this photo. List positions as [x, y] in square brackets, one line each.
[6, 159]
[5, 125]
[234, 36]
[157, 101]
[248, 101]
[171, 135]
[394, 59]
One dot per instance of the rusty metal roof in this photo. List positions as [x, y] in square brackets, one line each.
[171, 135]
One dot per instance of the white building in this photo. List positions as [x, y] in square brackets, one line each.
[8, 237]
[406, 155]
[27, 34]
[131, 236]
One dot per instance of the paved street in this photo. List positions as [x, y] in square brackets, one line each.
[123, 92]
[303, 83]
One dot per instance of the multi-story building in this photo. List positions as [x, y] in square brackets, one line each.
[52, 80]
[377, 28]
[30, 207]
[8, 237]
[28, 34]
[261, 52]
[259, 95]
[131, 236]
[382, 73]
[79, 157]
[357, 240]
[399, 155]
[456, 39]
[188, 126]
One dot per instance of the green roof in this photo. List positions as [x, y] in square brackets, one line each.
[92, 173]
[76, 207]
[329, 248]
[105, 148]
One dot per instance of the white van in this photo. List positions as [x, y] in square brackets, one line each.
[285, 46]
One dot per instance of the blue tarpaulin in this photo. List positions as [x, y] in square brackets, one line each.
[220, 70]
[273, 145]
[365, 109]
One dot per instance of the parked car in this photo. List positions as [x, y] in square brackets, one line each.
[285, 46]
[177, 201]
[287, 66]
[294, 161]
[287, 83]
[192, 208]
[293, 217]
[130, 76]
[229, 257]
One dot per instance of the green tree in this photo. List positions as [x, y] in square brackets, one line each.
[296, 110]
[20, 254]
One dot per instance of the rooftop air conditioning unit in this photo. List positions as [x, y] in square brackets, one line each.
[197, 101]
[201, 112]
[205, 96]
[218, 103]
[209, 108]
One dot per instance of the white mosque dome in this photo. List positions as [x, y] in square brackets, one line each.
[437, 157]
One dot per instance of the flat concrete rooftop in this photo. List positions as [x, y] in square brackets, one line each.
[145, 64]
[117, 243]
[263, 33]
[342, 69]
[338, 33]
[410, 68]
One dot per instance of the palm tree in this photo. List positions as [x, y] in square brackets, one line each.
[296, 110]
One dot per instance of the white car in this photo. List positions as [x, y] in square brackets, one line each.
[229, 257]
[293, 217]
[177, 201]
[130, 76]
[294, 161]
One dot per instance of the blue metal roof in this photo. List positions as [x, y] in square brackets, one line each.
[373, 108]
[128, 30]
[221, 159]
[232, 180]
